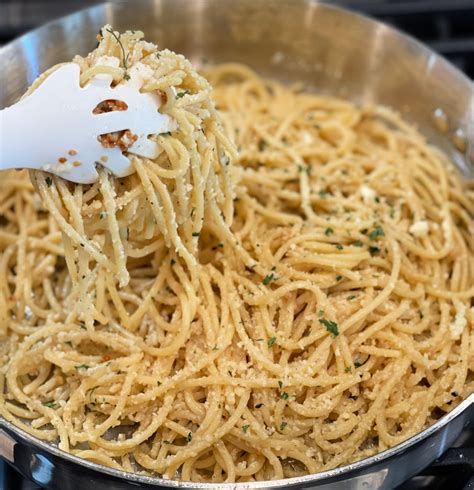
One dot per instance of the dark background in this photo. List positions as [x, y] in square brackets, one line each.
[445, 25]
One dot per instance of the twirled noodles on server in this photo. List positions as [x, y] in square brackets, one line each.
[282, 307]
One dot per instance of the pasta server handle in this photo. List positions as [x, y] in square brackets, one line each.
[56, 129]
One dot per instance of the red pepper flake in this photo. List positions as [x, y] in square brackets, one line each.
[105, 358]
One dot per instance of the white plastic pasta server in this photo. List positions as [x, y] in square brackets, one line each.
[58, 128]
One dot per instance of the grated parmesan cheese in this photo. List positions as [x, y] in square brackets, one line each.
[456, 328]
[419, 228]
[368, 194]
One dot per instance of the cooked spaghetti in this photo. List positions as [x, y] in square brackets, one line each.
[296, 305]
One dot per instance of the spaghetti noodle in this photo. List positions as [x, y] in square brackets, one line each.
[296, 305]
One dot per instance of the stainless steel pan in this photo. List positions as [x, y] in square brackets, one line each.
[331, 51]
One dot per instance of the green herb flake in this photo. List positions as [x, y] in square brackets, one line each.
[280, 384]
[376, 232]
[262, 144]
[49, 404]
[82, 366]
[323, 193]
[284, 395]
[271, 341]
[283, 425]
[338, 278]
[348, 369]
[126, 76]
[245, 428]
[331, 327]
[189, 437]
[49, 181]
[328, 231]
[180, 95]
[215, 347]
[268, 278]
[352, 296]
[339, 246]
[196, 233]
[358, 243]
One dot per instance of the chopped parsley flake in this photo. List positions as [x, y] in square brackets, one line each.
[180, 95]
[331, 327]
[196, 233]
[284, 395]
[304, 168]
[348, 369]
[376, 232]
[189, 437]
[283, 425]
[339, 246]
[271, 341]
[49, 404]
[82, 366]
[245, 428]
[323, 193]
[268, 278]
[358, 243]
[49, 181]
[338, 278]
[328, 231]
[262, 144]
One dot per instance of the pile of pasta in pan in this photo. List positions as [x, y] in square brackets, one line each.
[285, 289]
